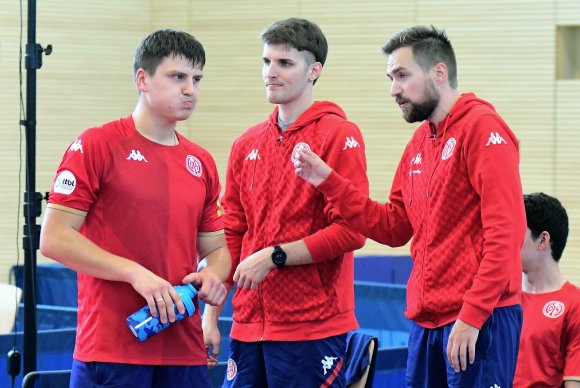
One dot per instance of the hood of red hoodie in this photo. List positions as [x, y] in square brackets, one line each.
[310, 115]
[464, 104]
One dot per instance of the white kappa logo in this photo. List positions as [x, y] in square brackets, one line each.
[554, 309]
[193, 165]
[253, 155]
[76, 146]
[416, 159]
[65, 183]
[297, 148]
[350, 142]
[327, 363]
[232, 369]
[136, 155]
[495, 138]
[448, 149]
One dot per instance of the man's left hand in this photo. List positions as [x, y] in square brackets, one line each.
[210, 289]
[461, 345]
[254, 268]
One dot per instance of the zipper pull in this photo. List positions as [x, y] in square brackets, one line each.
[280, 138]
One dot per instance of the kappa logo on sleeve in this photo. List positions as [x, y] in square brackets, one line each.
[495, 139]
[65, 183]
[350, 142]
[77, 145]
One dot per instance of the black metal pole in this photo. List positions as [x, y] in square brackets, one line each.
[30, 240]
[32, 199]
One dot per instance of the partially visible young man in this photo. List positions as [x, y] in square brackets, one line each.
[457, 193]
[291, 250]
[550, 340]
[133, 206]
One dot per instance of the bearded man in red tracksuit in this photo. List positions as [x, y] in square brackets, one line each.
[457, 192]
[291, 250]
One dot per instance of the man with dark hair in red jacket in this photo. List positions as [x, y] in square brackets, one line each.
[457, 193]
[291, 250]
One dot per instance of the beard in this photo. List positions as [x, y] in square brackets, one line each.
[422, 110]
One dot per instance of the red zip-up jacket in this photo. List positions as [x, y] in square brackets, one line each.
[459, 196]
[266, 204]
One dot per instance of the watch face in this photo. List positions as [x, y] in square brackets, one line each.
[279, 257]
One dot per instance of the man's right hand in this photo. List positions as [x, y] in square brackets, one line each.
[311, 168]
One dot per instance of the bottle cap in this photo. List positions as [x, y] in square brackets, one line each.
[187, 293]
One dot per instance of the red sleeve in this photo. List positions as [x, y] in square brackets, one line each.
[211, 219]
[77, 179]
[572, 340]
[385, 223]
[345, 152]
[492, 159]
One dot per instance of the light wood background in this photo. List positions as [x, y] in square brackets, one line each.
[506, 50]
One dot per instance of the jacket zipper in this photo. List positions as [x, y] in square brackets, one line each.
[260, 298]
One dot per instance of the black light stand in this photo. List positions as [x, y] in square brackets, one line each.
[32, 199]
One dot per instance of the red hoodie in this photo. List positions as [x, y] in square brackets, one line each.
[459, 196]
[266, 204]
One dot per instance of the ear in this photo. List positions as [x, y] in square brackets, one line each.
[141, 80]
[315, 70]
[544, 240]
[439, 73]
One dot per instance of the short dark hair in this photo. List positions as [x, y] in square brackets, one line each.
[430, 46]
[546, 213]
[167, 43]
[301, 34]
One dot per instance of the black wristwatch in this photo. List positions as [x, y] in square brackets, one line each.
[279, 257]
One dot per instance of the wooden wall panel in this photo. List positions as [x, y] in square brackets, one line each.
[506, 54]
[10, 138]
[565, 169]
[86, 81]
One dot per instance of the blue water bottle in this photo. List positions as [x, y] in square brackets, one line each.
[143, 325]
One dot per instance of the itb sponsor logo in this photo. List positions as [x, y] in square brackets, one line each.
[65, 183]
